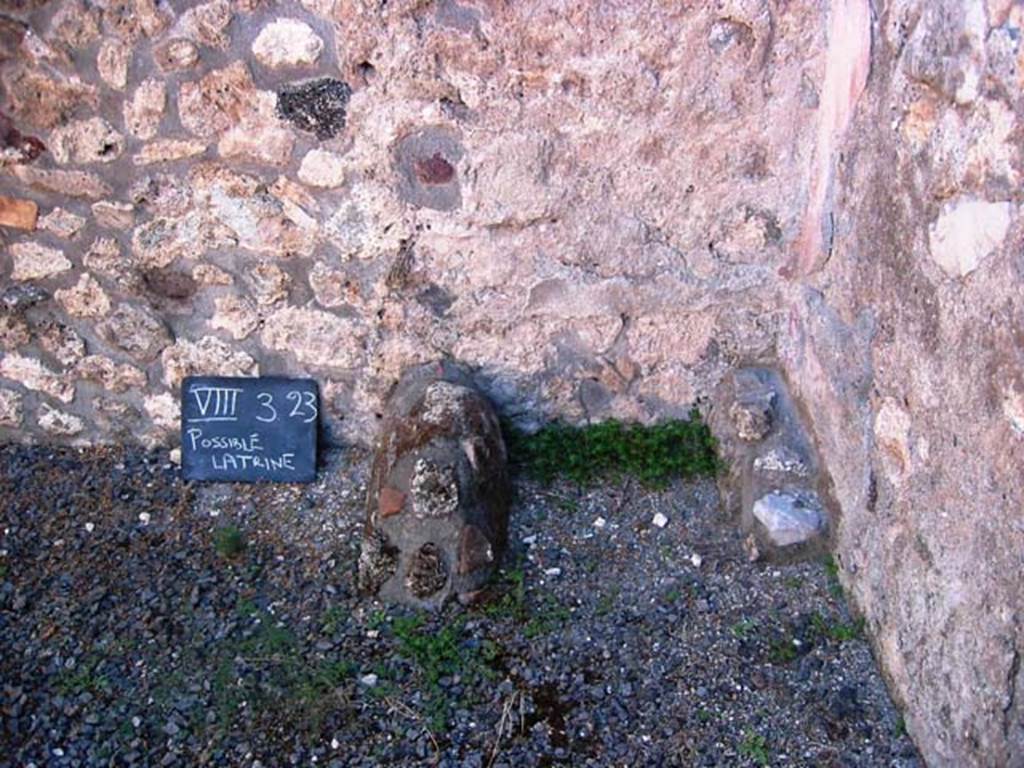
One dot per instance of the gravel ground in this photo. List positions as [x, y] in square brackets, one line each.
[147, 621]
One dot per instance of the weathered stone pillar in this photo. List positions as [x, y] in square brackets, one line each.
[437, 507]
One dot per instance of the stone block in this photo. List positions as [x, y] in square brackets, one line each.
[437, 508]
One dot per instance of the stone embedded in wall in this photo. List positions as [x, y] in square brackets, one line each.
[112, 62]
[131, 19]
[165, 411]
[966, 232]
[217, 101]
[318, 106]
[18, 214]
[64, 343]
[332, 287]
[11, 411]
[104, 257]
[208, 274]
[92, 140]
[113, 377]
[257, 140]
[34, 261]
[61, 223]
[287, 43]
[268, 282]
[37, 100]
[168, 150]
[946, 49]
[32, 374]
[59, 423]
[145, 109]
[66, 183]
[236, 315]
[74, 25]
[209, 356]
[315, 337]
[136, 331]
[14, 331]
[175, 55]
[437, 510]
[425, 162]
[208, 23]
[323, 169]
[114, 215]
[84, 299]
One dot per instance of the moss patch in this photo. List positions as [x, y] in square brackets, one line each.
[655, 454]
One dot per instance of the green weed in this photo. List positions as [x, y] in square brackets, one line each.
[654, 454]
[835, 588]
[755, 747]
[837, 631]
[229, 542]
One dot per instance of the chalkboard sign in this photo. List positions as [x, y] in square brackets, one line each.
[249, 430]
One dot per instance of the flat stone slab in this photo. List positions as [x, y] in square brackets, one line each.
[789, 518]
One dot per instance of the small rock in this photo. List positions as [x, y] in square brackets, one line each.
[144, 518]
[66, 183]
[167, 150]
[323, 169]
[112, 61]
[966, 232]
[600, 522]
[789, 518]
[61, 223]
[660, 520]
[18, 214]
[218, 101]
[93, 140]
[696, 560]
[31, 373]
[175, 55]
[90, 527]
[114, 215]
[145, 109]
[84, 299]
[318, 106]
[34, 261]
[287, 43]
[369, 680]
[59, 423]
[552, 571]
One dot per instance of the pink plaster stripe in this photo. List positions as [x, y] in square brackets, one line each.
[846, 73]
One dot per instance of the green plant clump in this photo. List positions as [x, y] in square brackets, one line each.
[654, 454]
[228, 541]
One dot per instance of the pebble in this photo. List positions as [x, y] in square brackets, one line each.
[90, 527]
[696, 560]
[144, 518]
[600, 522]
[660, 520]
[369, 680]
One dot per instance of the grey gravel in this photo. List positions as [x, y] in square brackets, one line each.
[139, 644]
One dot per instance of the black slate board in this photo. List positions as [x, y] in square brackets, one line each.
[249, 429]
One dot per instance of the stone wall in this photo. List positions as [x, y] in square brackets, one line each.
[588, 204]
[601, 207]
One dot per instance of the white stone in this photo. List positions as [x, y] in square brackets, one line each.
[696, 560]
[660, 520]
[321, 168]
[600, 522]
[33, 261]
[966, 232]
[58, 422]
[31, 373]
[144, 518]
[84, 299]
[789, 519]
[369, 680]
[90, 527]
[287, 43]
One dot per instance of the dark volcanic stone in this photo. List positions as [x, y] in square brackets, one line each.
[317, 106]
